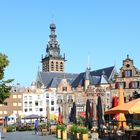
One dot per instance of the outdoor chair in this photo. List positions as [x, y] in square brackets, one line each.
[52, 129]
[44, 131]
[120, 134]
[94, 129]
[105, 132]
[95, 136]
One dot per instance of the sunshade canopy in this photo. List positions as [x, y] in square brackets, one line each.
[132, 107]
[32, 116]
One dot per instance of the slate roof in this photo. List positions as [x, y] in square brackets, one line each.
[52, 79]
[107, 71]
[96, 77]
[95, 80]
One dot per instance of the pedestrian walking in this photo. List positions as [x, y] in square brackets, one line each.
[36, 126]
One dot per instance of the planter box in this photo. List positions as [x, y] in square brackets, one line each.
[59, 134]
[73, 136]
[64, 135]
[83, 136]
[78, 136]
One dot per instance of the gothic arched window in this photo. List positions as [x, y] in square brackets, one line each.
[56, 66]
[52, 66]
[61, 66]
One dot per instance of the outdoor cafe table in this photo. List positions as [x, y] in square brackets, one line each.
[132, 132]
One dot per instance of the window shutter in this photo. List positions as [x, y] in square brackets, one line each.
[138, 84]
[116, 85]
[130, 73]
[124, 84]
[130, 84]
[123, 73]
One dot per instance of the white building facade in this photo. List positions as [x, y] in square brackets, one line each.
[34, 102]
[51, 104]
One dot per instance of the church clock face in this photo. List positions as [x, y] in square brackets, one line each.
[127, 65]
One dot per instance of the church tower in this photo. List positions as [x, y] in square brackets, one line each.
[53, 61]
[87, 78]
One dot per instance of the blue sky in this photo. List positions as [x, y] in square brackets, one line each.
[106, 30]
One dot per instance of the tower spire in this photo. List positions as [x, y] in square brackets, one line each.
[88, 62]
[53, 60]
[127, 56]
[52, 18]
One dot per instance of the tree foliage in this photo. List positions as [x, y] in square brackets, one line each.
[3, 64]
[4, 85]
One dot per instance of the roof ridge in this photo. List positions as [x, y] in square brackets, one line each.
[104, 68]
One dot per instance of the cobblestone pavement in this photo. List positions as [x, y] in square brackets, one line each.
[28, 135]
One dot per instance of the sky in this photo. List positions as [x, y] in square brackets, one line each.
[104, 30]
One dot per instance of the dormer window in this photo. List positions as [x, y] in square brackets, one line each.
[64, 89]
[128, 73]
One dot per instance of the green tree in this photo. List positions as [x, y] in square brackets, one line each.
[4, 84]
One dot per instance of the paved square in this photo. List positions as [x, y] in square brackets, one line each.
[26, 135]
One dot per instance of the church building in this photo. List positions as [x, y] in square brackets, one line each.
[61, 87]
